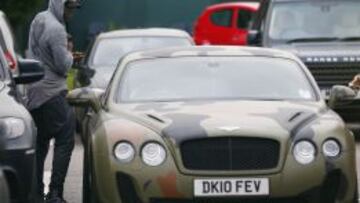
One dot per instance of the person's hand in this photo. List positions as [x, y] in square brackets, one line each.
[355, 83]
[78, 56]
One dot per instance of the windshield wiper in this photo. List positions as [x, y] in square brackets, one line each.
[316, 39]
[348, 39]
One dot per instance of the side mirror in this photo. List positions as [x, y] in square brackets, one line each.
[29, 71]
[341, 95]
[84, 97]
[254, 37]
[84, 75]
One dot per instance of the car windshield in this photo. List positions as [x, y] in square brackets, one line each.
[214, 78]
[109, 51]
[321, 20]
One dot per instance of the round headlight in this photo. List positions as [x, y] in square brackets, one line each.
[304, 152]
[124, 152]
[331, 148]
[153, 154]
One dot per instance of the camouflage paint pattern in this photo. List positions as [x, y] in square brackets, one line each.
[172, 123]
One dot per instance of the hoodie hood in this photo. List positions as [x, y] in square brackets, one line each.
[56, 7]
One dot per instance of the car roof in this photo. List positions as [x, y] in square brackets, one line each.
[253, 5]
[208, 51]
[161, 32]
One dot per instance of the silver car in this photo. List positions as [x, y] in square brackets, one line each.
[110, 47]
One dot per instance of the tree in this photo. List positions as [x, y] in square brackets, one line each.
[19, 11]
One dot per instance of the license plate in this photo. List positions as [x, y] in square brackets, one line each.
[231, 187]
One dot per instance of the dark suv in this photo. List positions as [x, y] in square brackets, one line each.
[324, 34]
[18, 131]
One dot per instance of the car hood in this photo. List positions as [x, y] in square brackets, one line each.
[323, 49]
[102, 77]
[195, 120]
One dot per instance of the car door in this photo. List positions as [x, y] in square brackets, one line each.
[243, 17]
[221, 26]
[8, 40]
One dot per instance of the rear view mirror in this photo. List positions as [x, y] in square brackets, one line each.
[341, 95]
[29, 71]
[84, 97]
[254, 37]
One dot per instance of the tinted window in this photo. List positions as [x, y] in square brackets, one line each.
[222, 18]
[2, 42]
[207, 78]
[318, 19]
[2, 66]
[244, 18]
[109, 51]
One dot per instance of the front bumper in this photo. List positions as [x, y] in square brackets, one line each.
[19, 170]
[322, 181]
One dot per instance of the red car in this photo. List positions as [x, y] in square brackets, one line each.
[225, 24]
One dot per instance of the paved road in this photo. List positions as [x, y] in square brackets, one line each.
[74, 180]
[73, 184]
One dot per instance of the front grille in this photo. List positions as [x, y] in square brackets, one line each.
[230, 153]
[330, 74]
[253, 200]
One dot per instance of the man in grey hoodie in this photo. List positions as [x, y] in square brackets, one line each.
[47, 98]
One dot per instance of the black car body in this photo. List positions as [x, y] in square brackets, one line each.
[324, 34]
[18, 131]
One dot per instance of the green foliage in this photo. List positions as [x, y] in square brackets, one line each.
[19, 11]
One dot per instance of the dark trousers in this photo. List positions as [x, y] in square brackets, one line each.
[54, 119]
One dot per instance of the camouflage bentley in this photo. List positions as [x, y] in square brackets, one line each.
[215, 124]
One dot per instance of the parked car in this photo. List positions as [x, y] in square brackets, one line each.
[4, 190]
[225, 23]
[7, 42]
[110, 47]
[18, 130]
[213, 124]
[324, 34]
